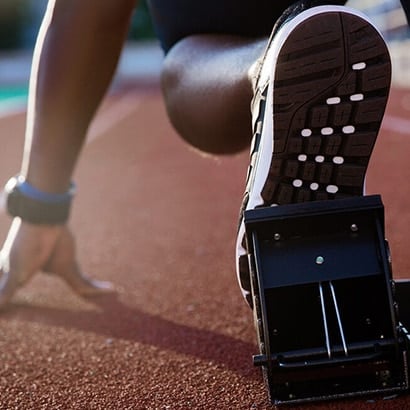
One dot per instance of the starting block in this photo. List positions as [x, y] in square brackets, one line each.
[326, 309]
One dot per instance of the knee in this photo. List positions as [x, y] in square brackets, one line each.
[177, 92]
[171, 79]
[207, 124]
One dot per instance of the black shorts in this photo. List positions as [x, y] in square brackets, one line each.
[176, 19]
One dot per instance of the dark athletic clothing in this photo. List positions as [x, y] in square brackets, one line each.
[176, 19]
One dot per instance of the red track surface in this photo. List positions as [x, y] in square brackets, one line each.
[159, 220]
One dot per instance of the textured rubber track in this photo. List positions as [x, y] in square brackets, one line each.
[331, 87]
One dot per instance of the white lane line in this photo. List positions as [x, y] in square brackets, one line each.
[396, 124]
[108, 118]
[13, 106]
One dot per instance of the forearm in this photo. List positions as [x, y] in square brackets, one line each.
[75, 58]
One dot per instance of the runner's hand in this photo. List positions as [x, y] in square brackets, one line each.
[29, 249]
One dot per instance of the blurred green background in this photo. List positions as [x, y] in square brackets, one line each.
[20, 20]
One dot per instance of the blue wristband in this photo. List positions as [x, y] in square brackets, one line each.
[32, 192]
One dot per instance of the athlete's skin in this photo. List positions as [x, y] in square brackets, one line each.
[65, 92]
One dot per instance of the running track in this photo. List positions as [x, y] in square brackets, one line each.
[159, 219]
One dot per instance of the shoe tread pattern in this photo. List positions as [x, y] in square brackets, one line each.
[331, 86]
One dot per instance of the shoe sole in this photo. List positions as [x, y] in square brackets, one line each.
[331, 83]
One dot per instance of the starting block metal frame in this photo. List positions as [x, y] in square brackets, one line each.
[325, 306]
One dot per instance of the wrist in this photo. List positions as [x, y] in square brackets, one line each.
[36, 206]
[48, 197]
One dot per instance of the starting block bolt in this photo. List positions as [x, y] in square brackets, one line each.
[277, 236]
[354, 228]
[320, 260]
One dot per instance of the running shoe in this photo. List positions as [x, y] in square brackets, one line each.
[319, 99]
